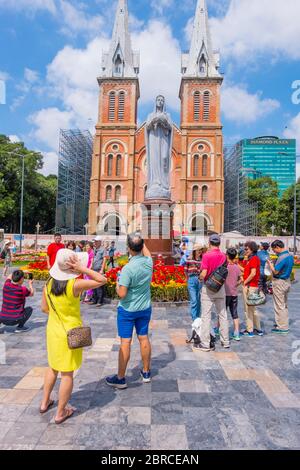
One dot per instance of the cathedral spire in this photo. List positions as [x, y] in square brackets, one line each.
[201, 61]
[121, 61]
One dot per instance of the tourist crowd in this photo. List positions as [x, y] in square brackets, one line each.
[214, 279]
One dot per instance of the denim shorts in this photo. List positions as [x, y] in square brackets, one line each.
[127, 321]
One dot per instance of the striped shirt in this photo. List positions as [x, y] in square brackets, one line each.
[13, 301]
[191, 267]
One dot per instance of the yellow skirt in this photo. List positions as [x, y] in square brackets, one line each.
[60, 357]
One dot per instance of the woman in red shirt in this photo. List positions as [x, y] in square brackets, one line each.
[251, 281]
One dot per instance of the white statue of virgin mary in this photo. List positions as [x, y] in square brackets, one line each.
[159, 139]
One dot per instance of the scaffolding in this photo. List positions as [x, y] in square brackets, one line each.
[240, 214]
[74, 174]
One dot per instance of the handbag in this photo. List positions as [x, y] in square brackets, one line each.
[255, 298]
[77, 338]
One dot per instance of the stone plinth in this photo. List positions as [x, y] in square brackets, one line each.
[157, 228]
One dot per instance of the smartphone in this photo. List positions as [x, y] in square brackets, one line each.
[30, 276]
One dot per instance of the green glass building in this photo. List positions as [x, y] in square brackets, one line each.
[254, 158]
[270, 156]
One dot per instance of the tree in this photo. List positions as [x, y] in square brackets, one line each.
[286, 210]
[265, 192]
[39, 191]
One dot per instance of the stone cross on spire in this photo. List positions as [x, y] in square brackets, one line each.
[202, 60]
[121, 61]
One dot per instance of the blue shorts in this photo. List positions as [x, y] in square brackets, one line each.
[127, 321]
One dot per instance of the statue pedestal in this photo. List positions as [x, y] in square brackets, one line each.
[157, 228]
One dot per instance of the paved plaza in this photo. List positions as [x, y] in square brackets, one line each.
[247, 398]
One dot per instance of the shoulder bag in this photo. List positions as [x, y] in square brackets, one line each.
[77, 338]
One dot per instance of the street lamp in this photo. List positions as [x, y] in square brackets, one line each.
[23, 155]
[36, 235]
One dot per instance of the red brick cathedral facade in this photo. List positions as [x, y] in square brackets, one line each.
[119, 173]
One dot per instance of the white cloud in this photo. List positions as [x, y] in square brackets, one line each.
[160, 63]
[76, 20]
[14, 139]
[71, 78]
[4, 75]
[50, 163]
[242, 107]
[160, 6]
[29, 5]
[47, 123]
[31, 77]
[253, 28]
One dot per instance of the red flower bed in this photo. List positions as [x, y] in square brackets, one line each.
[161, 274]
[38, 265]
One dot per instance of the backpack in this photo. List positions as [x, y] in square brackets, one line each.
[3, 254]
[217, 279]
[196, 334]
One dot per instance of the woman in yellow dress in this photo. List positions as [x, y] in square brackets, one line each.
[61, 301]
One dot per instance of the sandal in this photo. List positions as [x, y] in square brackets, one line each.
[69, 414]
[50, 404]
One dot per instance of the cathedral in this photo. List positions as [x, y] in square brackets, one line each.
[119, 167]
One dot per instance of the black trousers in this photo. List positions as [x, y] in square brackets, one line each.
[21, 321]
[111, 261]
[263, 283]
[98, 295]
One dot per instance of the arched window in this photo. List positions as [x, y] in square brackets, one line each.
[108, 196]
[111, 106]
[202, 65]
[196, 166]
[112, 225]
[204, 165]
[195, 193]
[119, 66]
[119, 165]
[204, 193]
[121, 106]
[110, 165]
[199, 225]
[206, 105]
[197, 105]
[118, 193]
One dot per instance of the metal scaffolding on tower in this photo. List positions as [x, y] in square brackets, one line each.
[74, 174]
[240, 214]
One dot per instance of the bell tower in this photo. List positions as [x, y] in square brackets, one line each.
[202, 139]
[114, 145]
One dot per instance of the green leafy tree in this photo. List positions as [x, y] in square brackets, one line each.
[39, 191]
[286, 210]
[265, 192]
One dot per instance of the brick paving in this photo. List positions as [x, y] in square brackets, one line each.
[246, 398]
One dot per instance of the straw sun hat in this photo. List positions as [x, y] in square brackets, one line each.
[60, 271]
[198, 246]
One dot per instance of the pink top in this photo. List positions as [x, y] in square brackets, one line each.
[212, 260]
[91, 257]
[231, 284]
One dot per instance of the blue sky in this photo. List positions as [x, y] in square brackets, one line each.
[51, 56]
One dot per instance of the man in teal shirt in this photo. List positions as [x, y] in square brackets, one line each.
[281, 286]
[134, 310]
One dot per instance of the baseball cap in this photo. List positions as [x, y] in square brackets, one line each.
[97, 239]
[215, 238]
